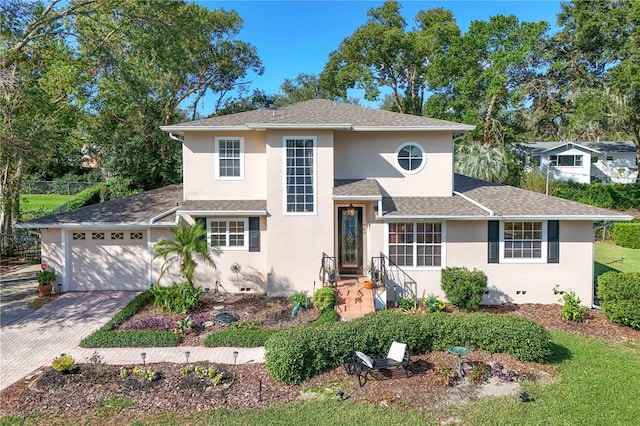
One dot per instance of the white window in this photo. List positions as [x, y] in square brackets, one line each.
[230, 158]
[416, 244]
[228, 234]
[535, 160]
[523, 241]
[300, 175]
[410, 157]
[566, 160]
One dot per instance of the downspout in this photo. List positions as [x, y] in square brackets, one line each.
[175, 138]
[163, 214]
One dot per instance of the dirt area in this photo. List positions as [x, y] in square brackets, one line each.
[430, 382]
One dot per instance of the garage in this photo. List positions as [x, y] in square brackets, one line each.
[107, 260]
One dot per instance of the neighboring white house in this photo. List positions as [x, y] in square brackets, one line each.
[287, 193]
[585, 162]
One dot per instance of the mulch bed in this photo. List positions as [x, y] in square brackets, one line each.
[250, 386]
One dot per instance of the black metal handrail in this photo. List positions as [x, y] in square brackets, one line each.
[396, 280]
[328, 271]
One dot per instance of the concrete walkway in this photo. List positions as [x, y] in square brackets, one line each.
[37, 338]
[17, 288]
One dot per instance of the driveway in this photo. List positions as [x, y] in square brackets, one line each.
[32, 339]
[16, 289]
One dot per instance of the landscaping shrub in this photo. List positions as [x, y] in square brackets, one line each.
[293, 356]
[299, 297]
[63, 363]
[179, 298]
[91, 195]
[463, 288]
[324, 298]
[626, 234]
[131, 339]
[619, 295]
[572, 308]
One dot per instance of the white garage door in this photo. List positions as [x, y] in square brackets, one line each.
[108, 260]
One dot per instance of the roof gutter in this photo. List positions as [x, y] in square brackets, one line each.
[222, 213]
[168, 212]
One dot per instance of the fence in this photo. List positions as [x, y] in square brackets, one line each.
[54, 187]
[21, 244]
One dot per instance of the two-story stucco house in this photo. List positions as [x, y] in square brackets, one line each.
[585, 162]
[293, 193]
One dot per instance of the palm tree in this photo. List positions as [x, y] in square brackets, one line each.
[481, 161]
[188, 247]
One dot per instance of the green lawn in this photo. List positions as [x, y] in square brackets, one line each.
[598, 383]
[42, 201]
[611, 257]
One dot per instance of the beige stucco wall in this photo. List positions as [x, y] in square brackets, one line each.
[51, 251]
[296, 241]
[527, 282]
[372, 155]
[199, 168]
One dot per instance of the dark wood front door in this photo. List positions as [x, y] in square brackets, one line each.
[350, 241]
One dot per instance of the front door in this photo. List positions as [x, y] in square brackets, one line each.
[350, 241]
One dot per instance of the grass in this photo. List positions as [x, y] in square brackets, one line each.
[42, 201]
[611, 257]
[598, 383]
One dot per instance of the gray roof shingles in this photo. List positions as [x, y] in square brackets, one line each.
[356, 188]
[224, 206]
[135, 209]
[603, 146]
[319, 112]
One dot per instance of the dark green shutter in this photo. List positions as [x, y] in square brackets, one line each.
[254, 234]
[553, 241]
[493, 241]
[202, 221]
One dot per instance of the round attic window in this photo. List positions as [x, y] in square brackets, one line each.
[410, 157]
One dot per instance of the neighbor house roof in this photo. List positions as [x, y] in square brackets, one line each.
[318, 114]
[151, 208]
[597, 147]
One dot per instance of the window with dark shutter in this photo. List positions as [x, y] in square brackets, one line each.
[493, 241]
[254, 234]
[553, 241]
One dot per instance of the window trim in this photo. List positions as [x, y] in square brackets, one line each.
[244, 247]
[417, 169]
[314, 212]
[443, 247]
[556, 161]
[217, 157]
[543, 245]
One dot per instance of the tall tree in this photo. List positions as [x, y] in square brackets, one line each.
[485, 77]
[383, 54]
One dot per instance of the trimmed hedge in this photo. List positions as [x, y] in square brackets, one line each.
[292, 356]
[91, 195]
[619, 294]
[462, 287]
[626, 234]
[108, 337]
[607, 195]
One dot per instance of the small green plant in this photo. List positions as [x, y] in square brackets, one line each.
[301, 298]
[183, 326]
[324, 298]
[45, 277]
[445, 375]
[146, 374]
[123, 373]
[479, 373]
[250, 324]
[63, 363]
[407, 303]
[114, 405]
[178, 297]
[94, 367]
[571, 309]
[433, 304]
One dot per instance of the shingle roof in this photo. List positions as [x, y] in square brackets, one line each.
[602, 147]
[430, 207]
[320, 113]
[135, 209]
[235, 206]
[505, 200]
[356, 188]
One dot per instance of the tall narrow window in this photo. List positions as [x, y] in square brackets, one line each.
[300, 175]
[230, 158]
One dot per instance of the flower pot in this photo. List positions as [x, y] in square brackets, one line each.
[45, 290]
[368, 285]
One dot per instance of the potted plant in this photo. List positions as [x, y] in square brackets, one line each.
[45, 279]
[373, 271]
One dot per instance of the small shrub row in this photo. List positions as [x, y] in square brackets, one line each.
[626, 234]
[292, 357]
[86, 197]
[619, 294]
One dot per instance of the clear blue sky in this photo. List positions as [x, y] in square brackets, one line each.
[296, 36]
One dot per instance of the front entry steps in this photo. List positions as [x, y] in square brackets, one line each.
[354, 301]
